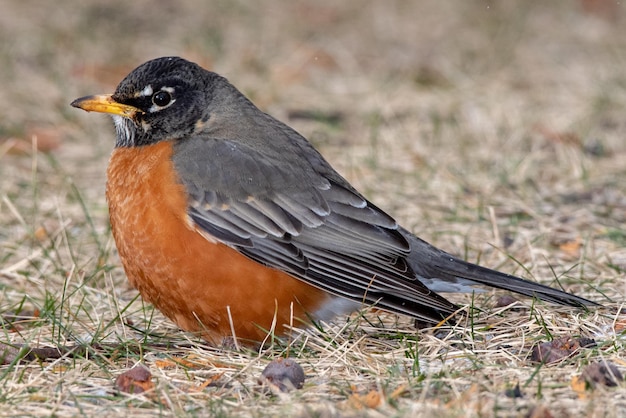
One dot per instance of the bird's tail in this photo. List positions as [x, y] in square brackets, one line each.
[442, 272]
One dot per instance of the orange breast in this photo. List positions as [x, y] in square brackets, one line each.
[201, 285]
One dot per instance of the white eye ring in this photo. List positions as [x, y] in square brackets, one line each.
[162, 99]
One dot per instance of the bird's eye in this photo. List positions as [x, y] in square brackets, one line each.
[161, 98]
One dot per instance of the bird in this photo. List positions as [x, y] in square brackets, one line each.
[234, 226]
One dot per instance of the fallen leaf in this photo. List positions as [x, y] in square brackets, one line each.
[175, 362]
[211, 381]
[620, 321]
[572, 248]
[372, 400]
[559, 349]
[164, 364]
[579, 386]
[620, 325]
[399, 391]
[41, 234]
[136, 380]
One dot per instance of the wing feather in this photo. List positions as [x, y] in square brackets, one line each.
[310, 224]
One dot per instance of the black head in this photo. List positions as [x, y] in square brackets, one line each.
[162, 99]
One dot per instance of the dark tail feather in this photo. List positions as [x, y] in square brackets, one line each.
[430, 262]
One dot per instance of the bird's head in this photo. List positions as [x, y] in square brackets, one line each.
[162, 99]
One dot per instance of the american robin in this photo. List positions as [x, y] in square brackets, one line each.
[233, 225]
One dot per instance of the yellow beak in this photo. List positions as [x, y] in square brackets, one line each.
[104, 103]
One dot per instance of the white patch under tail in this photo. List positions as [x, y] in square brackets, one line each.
[335, 306]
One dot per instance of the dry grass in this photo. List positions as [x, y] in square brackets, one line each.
[495, 131]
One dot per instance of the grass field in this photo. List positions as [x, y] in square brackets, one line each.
[494, 130]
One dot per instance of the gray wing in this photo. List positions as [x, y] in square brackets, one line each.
[292, 212]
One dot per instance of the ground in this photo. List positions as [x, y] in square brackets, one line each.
[494, 130]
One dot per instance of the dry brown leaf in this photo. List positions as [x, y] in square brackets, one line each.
[211, 381]
[620, 325]
[372, 400]
[175, 362]
[399, 391]
[136, 380]
[559, 349]
[165, 364]
[579, 386]
[572, 248]
[40, 234]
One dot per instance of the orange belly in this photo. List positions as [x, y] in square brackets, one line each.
[203, 286]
